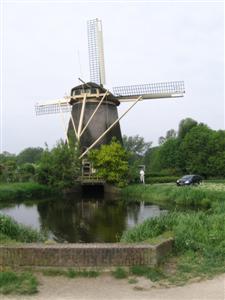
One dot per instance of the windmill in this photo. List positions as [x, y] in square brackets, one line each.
[94, 117]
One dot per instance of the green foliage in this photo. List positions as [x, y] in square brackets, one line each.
[136, 144]
[159, 179]
[71, 273]
[59, 167]
[110, 162]
[189, 196]
[154, 274]
[199, 235]
[18, 232]
[120, 273]
[136, 148]
[185, 126]
[22, 191]
[196, 149]
[29, 155]
[18, 283]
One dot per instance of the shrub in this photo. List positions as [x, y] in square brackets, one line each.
[18, 232]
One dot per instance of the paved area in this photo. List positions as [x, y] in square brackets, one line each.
[107, 288]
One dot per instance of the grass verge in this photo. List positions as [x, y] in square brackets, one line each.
[24, 190]
[71, 273]
[199, 235]
[12, 232]
[189, 197]
[18, 283]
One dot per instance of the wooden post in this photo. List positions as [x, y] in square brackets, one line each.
[110, 127]
[63, 122]
[91, 117]
[81, 117]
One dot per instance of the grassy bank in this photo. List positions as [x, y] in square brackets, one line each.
[23, 191]
[202, 196]
[18, 283]
[199, 236]
[12, 232]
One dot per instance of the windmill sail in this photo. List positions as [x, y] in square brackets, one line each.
[96, 52]
[53, 107]
[150, 91]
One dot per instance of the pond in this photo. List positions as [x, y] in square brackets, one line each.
[79, 219]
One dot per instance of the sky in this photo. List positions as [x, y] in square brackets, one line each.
[44, 51]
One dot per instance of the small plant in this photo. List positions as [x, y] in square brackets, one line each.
[18, 283]
[54, 272]
[14, 231]
[120, 273]
[71, 273]
[84, 273]
[153, 274]
[132, 281]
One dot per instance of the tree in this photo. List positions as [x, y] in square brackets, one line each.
[29, 155]
[59, 167]
[136, 144]
[111, 163]
[161, 140]
[185, 126]
[136, 148]
[171, 134]
[168, 155]
[196, 149]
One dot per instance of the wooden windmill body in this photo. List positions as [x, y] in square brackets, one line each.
[94, 117]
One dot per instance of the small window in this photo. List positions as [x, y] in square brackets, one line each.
[93, 91]
[77, 92]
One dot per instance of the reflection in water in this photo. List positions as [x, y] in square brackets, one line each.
[82, 220]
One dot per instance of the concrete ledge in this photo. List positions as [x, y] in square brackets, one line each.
[83, 255]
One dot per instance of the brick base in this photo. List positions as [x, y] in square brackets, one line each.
[83, 255]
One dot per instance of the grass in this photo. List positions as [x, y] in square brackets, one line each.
[154, 274]
[22, 191]
[120, 273]
[71, 273]
[18, 283]
[12, 232]
[199, 235]
[169, 194]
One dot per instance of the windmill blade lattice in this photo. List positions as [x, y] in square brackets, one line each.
[167, 89]
[53, 108]
[95, 51]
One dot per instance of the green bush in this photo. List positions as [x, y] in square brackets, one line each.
[22, 191]
[18, 283]
[18, 232]
[120, 273]
[111, 163]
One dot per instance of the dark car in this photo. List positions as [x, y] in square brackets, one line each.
[189, 180]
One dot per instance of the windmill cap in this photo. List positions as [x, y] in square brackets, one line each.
[91, 85]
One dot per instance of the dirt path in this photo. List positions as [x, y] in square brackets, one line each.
[107, 288]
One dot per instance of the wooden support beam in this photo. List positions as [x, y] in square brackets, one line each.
[63, 122]
[81, 117]
[96, 109]
[109, 128]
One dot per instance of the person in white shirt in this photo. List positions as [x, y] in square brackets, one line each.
[142, 176]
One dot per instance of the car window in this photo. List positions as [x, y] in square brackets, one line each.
[187, 177]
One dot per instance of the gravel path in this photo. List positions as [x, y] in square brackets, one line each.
[107, 288]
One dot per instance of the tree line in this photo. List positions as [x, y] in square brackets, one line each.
[193, 148]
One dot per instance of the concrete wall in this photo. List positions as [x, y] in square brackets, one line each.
[83, 255]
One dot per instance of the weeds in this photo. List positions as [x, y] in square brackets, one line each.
[71, 273]
[18, 283]
[120, 273]
[10, 230]
[199, 236]
[23, 191]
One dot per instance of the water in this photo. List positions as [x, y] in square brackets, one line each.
[81, 220]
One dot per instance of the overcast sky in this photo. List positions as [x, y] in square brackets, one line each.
[144, 43]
